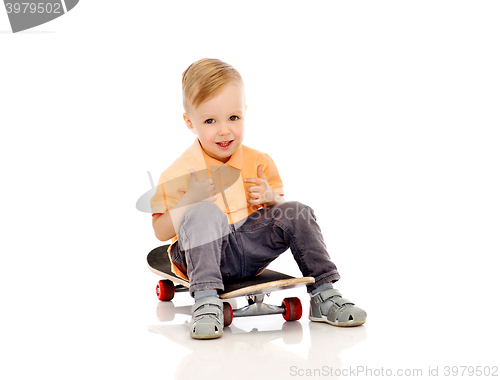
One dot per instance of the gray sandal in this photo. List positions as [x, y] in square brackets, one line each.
[342, 312]
[208, 318]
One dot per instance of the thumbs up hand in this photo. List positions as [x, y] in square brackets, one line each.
[261, 193]
[201, 191]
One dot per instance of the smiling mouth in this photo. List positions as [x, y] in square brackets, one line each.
[224, 144]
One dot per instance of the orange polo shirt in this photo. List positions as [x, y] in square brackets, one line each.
[228, 177]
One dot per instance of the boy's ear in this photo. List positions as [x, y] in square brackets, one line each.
[188, 122]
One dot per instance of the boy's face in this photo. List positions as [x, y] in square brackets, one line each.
[219, 122]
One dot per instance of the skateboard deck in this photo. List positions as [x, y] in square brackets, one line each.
[266, 282]
[253, 288]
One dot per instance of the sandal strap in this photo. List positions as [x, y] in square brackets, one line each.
[207, 305]
[340, 314]
[208, 310]
[339, 302]
[324, 295]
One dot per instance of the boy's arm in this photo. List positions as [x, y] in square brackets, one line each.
[166, 225]
[163, 226]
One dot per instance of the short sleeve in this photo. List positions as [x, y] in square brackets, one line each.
[169, 191]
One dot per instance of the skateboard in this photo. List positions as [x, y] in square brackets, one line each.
[253, 288]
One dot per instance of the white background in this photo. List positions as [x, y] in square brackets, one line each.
[381, 115]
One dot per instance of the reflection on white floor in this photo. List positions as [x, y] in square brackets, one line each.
[268, 347]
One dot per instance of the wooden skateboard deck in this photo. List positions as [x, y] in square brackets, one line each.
[266, 282]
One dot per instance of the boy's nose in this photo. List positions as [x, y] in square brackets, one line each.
[224, 130]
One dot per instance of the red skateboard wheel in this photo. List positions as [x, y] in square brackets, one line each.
[165, 290]
[293, 309]
[228, 313]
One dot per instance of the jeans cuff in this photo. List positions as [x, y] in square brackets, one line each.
[332, 277]
[205, 285]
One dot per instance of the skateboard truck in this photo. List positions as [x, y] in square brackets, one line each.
[256, 306]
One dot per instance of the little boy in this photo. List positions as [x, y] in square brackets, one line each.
[222, 205]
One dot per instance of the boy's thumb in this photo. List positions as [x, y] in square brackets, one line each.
[260, 171]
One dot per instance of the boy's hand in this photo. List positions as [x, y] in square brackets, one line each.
[200, 191]
[261, 193]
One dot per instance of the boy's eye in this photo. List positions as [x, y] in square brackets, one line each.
[233, 118]
[210, 121]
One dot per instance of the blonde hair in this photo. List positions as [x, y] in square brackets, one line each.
[203, 79]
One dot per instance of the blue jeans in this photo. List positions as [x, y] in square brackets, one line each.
[211, 251]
